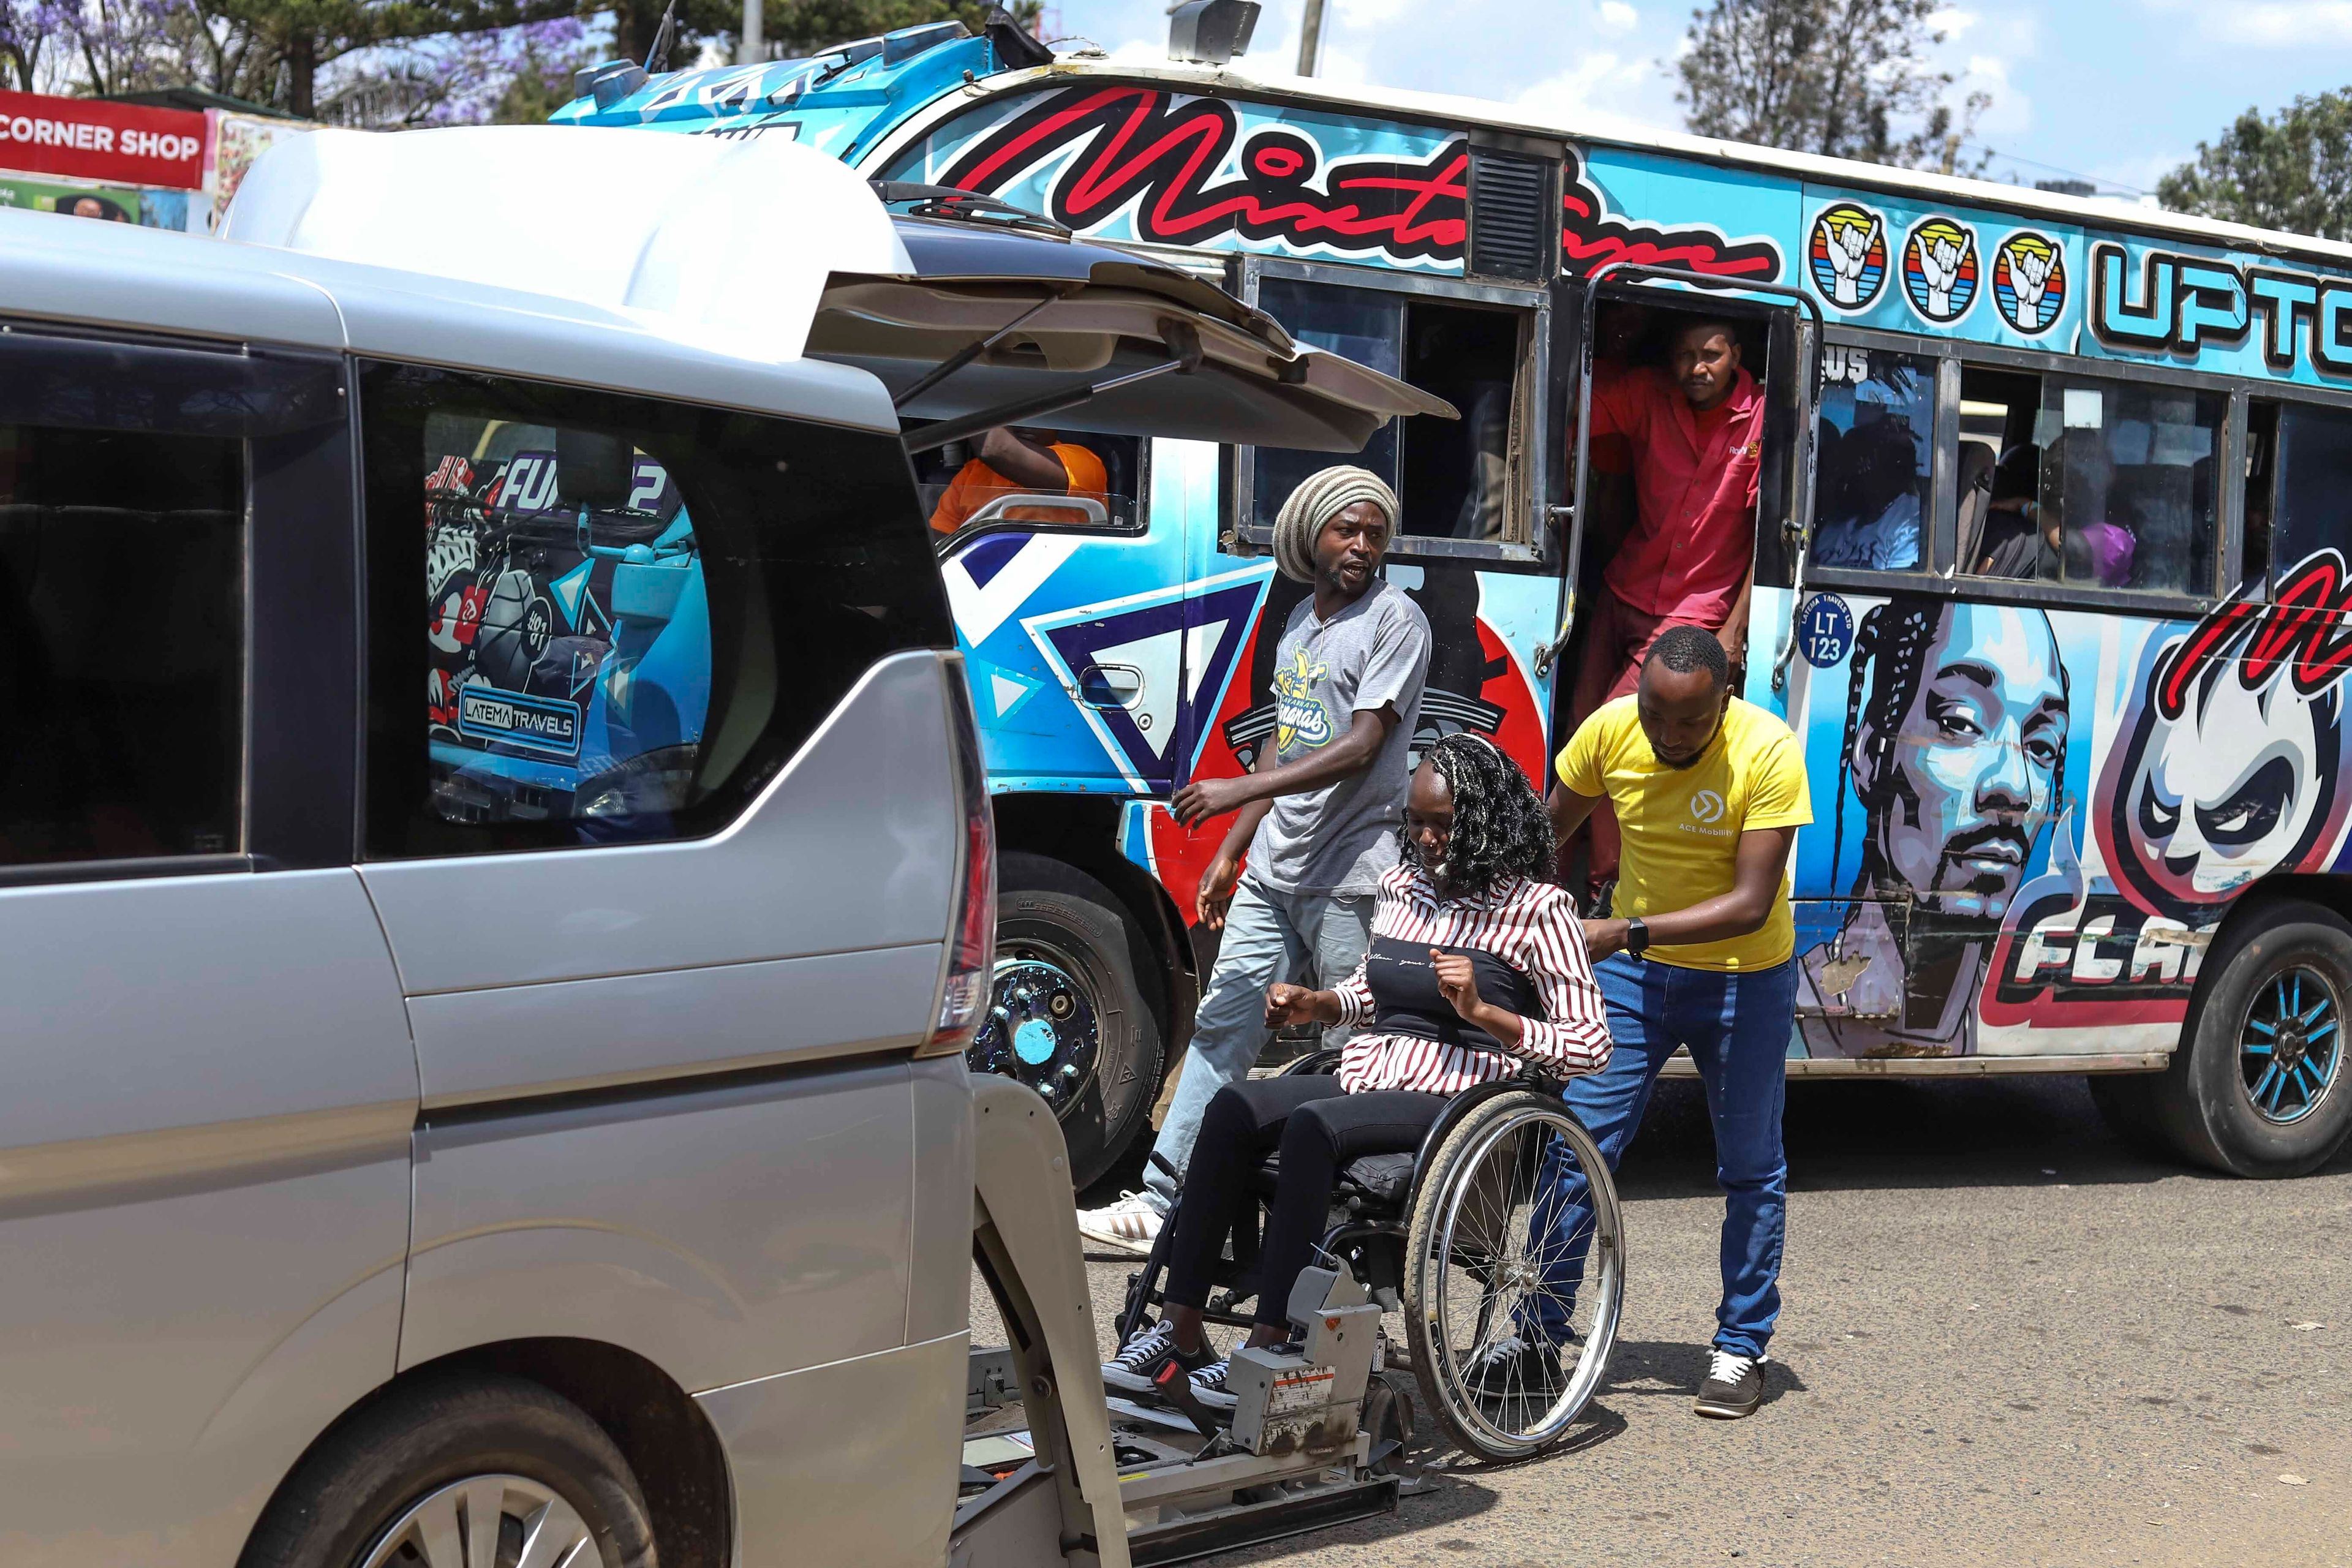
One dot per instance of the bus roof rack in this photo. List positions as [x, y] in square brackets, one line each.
[968, 206]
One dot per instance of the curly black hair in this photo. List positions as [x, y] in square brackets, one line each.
[1501, 829]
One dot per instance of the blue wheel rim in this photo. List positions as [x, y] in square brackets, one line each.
[2291, 1049]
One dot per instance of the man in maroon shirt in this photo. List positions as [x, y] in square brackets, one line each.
[1695, 430]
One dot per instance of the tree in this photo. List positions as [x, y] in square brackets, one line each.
[1845, 79]
[2292, 172]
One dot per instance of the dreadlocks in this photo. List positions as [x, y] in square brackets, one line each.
[1895, 635]
[1500, 828]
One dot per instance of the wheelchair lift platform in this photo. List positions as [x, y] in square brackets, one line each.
[1314, 1439]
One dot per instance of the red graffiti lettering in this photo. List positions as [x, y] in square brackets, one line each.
[1139, 147]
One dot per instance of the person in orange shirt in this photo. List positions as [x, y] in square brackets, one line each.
[1030, 462]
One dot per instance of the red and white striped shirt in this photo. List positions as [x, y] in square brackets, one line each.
[1532, 926]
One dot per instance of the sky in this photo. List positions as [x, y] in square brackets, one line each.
[2119, 91]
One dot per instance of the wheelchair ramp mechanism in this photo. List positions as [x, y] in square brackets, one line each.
[1308, 1445]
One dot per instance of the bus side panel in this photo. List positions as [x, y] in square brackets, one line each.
[1973, 885]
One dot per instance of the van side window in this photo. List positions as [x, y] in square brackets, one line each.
[1875, 447]
[2096, 484]
[122, 542]
[1033, 477]
[633, 611]
[1460, 480]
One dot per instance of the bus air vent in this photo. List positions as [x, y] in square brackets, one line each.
[1514, 218]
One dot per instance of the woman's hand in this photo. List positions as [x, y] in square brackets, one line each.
[1459, 981]
[1299, 1005]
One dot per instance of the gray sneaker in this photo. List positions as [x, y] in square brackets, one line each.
[1734, 1386]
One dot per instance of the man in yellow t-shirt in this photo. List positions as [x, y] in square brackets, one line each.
[1697, 951]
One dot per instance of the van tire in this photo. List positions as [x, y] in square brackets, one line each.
[364, 1477]
[1049, 911]
[2201, 1104]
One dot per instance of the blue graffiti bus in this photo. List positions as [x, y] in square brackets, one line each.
[2049, 573]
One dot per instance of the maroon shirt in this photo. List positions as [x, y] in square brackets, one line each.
[1695, 490]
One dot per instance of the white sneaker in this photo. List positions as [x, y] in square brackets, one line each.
[1129, 1226]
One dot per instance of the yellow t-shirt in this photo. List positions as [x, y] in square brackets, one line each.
[1682, 826]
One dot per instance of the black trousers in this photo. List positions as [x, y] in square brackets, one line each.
[1318, 1127]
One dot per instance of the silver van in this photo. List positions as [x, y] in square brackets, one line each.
[495, 875]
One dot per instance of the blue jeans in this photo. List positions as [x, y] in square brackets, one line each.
[1268, 937]
[1737, 1026]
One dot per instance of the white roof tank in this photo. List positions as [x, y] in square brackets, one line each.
[723, 243]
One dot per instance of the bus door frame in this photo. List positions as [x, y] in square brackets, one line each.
[1796, 528]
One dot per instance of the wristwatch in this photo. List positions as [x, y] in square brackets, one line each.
[1637, 935]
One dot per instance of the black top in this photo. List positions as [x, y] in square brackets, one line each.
[1406, 1000]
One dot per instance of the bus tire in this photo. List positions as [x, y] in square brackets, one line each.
[1068, 968]
[2274, 1001]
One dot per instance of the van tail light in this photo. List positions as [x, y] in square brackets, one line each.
[970, 969]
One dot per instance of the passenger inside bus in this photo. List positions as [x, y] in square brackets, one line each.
[1675, 406]
[1873, 442]
[1687, 416]
[1022, 461]
[2097, 484]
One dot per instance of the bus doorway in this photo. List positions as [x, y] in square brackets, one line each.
[1684, 430]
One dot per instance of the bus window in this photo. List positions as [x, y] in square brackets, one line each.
[2315, 473]
[2099, 484]
[2262, 476]
[1031, 477]
[1875, 442]
[2001, 473]
[1460, 479]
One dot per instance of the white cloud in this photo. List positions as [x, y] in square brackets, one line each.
[1603, 84]
[1953, 22]
[1365, 13]
[2010, 113]
[2267, 24]
[1617, 18]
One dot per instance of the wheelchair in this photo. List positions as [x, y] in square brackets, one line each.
[1445, 1236]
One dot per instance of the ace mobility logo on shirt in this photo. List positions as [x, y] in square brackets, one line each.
[1299, 717]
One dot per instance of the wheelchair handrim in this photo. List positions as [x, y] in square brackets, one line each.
[1604, 1277]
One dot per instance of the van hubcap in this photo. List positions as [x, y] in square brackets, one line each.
[2292, 1050]
[487, 1521]
[1041, 1027]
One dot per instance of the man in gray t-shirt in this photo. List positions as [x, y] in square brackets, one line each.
[1318, 820]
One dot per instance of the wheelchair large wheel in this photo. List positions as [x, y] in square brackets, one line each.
[1477, 1271]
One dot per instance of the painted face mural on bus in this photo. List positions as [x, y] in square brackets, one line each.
[2230, 767]
[1955, 746]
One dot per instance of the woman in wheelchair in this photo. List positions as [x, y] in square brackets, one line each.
[1475, 968]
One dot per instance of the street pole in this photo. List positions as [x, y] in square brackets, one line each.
[753, 49]
[1310, 37]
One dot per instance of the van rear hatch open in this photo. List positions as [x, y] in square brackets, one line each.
[775, 252]
[1017, 322]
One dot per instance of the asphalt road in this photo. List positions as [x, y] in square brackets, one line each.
[2006, 1340]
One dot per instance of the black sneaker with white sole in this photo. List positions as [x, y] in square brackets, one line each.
[1734, 1386]
[1513, 1368]
[1140, 1360]
[1209, 1385]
